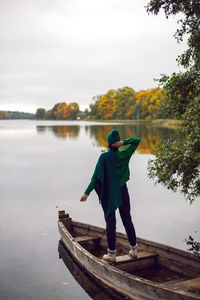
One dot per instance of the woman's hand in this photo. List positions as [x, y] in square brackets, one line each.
[84, 197]
[118, 144]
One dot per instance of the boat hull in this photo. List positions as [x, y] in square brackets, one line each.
[124, 283]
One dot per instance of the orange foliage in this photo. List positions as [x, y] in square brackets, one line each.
[150, 100]
[125, 103]
[63, 111]
[149, 137]
[107, 105]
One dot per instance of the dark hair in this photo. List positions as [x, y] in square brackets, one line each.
[112, 148]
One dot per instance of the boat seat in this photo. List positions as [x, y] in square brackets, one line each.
[86, 238]
[191, 285]
[141, 256]
[128, 263]
[172, 282]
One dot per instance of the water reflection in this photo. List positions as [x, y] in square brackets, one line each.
[41, 129]
[62, 131]
[94, 289]
[47, 172]
[150, 135]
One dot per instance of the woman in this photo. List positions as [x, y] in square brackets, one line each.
[109, 181]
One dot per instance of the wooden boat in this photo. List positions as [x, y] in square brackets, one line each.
[93, 287]
[159, 271]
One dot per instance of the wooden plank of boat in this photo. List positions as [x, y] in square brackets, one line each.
[128, 263]
[141, 256]
[95, 289]
[86, 238]
[127, 284]
[184, 262]
[191, 285]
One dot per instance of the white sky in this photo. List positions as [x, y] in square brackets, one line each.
[72, 50]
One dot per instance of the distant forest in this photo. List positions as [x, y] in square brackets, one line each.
[123, 103]
[16, 115]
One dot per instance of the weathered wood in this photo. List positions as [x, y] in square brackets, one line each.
[169, 253]
[65, 219]
[171, 282]
[128, 263]
[61, 213]
[141, 256]
[87, 229]
[86, 238]
[192, 285]
[136, 265]
[178, 267]
[94, 288]
[129, 285]
[123, 259]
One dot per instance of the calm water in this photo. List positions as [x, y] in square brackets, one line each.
[46, 166]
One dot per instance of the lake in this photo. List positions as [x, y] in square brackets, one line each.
[45, 166]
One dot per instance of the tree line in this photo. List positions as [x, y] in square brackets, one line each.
[123, 103]
[15, 115]
[60, 111]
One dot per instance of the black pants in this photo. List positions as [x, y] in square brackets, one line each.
[125, 215]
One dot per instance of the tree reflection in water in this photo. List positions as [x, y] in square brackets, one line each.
[150, 135]
[61, 131]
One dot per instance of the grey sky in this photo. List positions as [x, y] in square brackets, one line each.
[72, 50]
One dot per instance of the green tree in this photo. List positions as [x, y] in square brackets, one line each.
[49, 114]
[40, 113]
[137, 111]
[177, 161]
[126, 100]
[94, 110]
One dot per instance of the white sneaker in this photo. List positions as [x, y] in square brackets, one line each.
[110, 256]
[133, 251]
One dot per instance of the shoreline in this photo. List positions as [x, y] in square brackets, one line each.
[172, 123]
[169, 123]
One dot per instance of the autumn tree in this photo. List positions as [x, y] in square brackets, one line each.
[63, 111]
[125, 103]
[117, 104]
[141, 101]
[59, 110]
[107, 105]
[177, 163]
[73, 110]
[150, 101]
[5, 115]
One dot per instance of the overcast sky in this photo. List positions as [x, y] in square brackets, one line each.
[71, 50]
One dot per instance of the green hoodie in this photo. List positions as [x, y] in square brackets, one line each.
[122, 159]
[107, 182]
